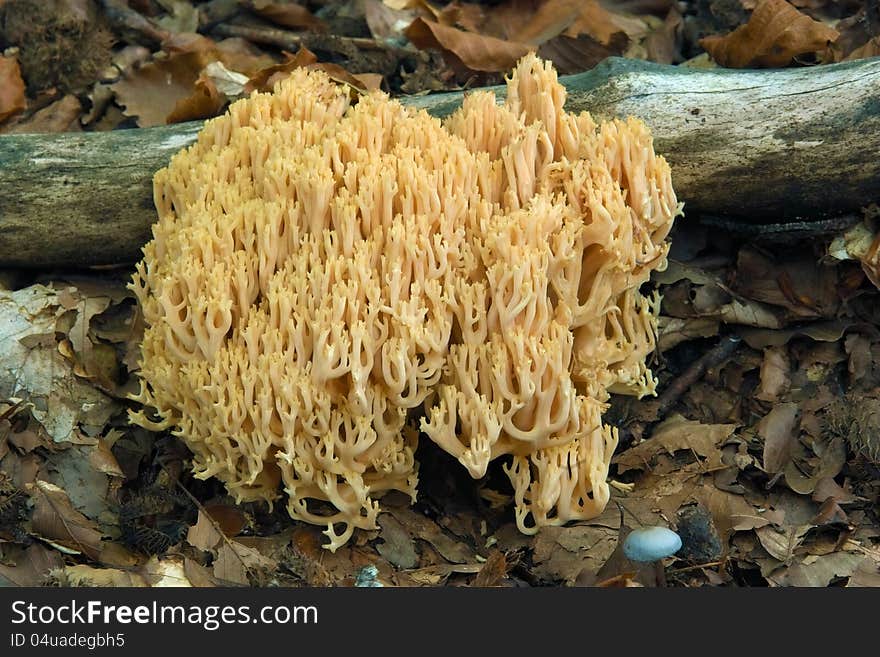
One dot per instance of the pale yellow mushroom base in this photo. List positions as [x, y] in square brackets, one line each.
[322, 271]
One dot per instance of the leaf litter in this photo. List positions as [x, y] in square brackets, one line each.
[766, 462]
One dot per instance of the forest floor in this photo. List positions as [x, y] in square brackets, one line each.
[762, 449]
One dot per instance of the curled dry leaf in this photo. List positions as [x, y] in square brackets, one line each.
[230, 519]
[475, 51]
[56, 521]
[775, 34]
[551, 19]
[203, 535]
[12, 98]
[265, 79]
[675, 434]
[234, 562]
[204, 102]
[81, 575]
[35, 369]
[493, 571]
[397, 545]
[287, 14]
[153, 91]
[662, 44]
[870, 49]
[32, 568]
[573, 55]
[604, 25]
[775, 374]
[777, 428]
[61, 116]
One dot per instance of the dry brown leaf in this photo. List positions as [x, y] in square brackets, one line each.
[475, 51]
[795, 283]
[827, 488]
[662, 44]
[235, 560]
[31, 568]
[493, 571]
[204, 102]
[775, 34]
[602, 25]
[235, 53]
[288, 14]
[675, 434]
[61, 116]
[778, 429]
[341, 76]
[869, 49]
[12, 98]
[819, 571]
[103, 461]
[56, 521]
[775, 374]
[369, 81]
[673, 330]
[425, 529]
[782, 542]
[563, 553]
[203, 535]
[265, 79]
[573, 55]
[230, 519]
[803, 472]
[152, 92]
[759, 338]
[83, 575]
[228, 567]
[198, 575]
[165, 571]
[180, 42]
[397, 546]
[858, 347]
[552, 18]
[867, 574]
[417, 5]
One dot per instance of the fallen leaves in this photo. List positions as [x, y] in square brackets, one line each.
[57, 522]
[777, 428]
[475, 51]
[12, 98]
[775, 34]
[156, 90]
[288, 14]
[674, 434]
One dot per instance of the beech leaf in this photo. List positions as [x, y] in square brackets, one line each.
[475, 51]
[12, 99]
[775, 34]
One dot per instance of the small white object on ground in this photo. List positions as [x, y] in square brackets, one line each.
[651, 543]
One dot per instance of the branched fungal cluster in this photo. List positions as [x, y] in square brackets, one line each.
[322, 272]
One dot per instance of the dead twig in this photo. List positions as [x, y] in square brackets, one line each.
[214, 523]
[287, 40]
[124, 18]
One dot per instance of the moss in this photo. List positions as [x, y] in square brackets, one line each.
[62, 43]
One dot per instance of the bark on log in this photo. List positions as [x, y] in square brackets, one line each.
[765, 146]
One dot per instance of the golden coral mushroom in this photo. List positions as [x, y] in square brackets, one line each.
[322, 272]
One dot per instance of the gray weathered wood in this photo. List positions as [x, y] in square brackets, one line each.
[766, 146]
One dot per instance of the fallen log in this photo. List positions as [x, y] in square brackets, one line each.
[746, 146]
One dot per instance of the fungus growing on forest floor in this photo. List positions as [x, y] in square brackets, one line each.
[322, 274]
